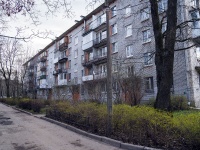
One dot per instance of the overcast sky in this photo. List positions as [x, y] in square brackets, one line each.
[57, 24]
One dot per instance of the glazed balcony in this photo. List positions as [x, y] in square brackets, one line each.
[100, 24]
[63, 46]
[62, 82]
[43, 58]
[31, 66]
[87, 30]
[62, 70]
[87, 78]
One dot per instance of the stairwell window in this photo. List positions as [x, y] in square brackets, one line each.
[162, 5]
[76, 53]
[148, 59]
[114, 29]
[128, 11]
[128, 30]
[76, 40]
[146, 36]
[149, 85]
[145, 14]
[129, 51]
[113, 11]
[114, 47]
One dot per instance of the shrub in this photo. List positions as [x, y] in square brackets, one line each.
[37, 105]
[25, 103]
[179, 103]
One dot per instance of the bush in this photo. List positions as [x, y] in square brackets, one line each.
[24, 103]
[37, 105]
[179, 103]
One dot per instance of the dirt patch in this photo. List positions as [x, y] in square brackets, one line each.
[77, 143]
[5, 121]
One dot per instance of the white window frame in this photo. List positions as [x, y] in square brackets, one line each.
[76, 53]
[198, 53]
[149, 87]
[148, 60]
[128, 11]
[114, 47]
[145, 14]
[128, 30]
[129, 51]
[114, 11]
[146, 36]
[76, 40]
[114, 29]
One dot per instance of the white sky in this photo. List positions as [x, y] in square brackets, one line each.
[57, 24]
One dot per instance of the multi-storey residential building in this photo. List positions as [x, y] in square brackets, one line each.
[73, 66]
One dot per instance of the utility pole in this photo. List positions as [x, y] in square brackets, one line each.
[109, 73]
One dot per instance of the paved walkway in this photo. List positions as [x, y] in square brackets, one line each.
[19, 131]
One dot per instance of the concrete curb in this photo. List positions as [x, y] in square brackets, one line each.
[107, 140]
[26, 112]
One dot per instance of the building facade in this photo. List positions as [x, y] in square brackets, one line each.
[74, 66]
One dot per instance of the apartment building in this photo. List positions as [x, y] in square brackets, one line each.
[73, 66]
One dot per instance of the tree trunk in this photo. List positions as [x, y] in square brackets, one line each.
[7, 89]
[164, 57]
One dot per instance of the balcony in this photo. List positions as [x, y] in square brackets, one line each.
[197, 69]
[62, 58]
[55, 60]
[88, 62]
[100, 42]
[43, 68]
[43, 77]
[43, 58]
[100, 59]
[63, 46]
[43, 84]
[62, 82]
[87, 30]
[100, 24]
[62, 70]
[87, 78]
[100, 75]
[31, 66]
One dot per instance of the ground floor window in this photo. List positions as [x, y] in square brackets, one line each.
[149, 85]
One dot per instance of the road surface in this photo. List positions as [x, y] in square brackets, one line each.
[19, 131]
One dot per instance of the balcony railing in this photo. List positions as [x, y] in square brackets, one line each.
[100, 59]
[87, 62]
[62, 58]
[100, 75]
[63, 46]
[43, 58]
[100, 42]
[62, 70]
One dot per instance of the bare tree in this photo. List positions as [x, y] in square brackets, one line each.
[10, 49]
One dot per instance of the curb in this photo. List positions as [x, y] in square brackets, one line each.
[107, 140]
[26, 112]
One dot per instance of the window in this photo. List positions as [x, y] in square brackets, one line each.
[82, 73]
[198, 53]
[115, 67]
[162, 6]
[69, 51]
[65, 76]
[76, 40]
[61, 76]
[149, 84]
[114, 47]
[113, 11]
[103, 68]
[129, 51]
[146, 36]
[114, 29]
[145, 14]
[130, 71]
[148, 59]
[195, 15]
[128, 30]
[103, 87]
[62, 41]
[194, 3]
[102, 52]
[76, 53]
[128, 11]
[69, 77]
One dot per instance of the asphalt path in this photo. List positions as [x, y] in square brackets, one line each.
[19, 131]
